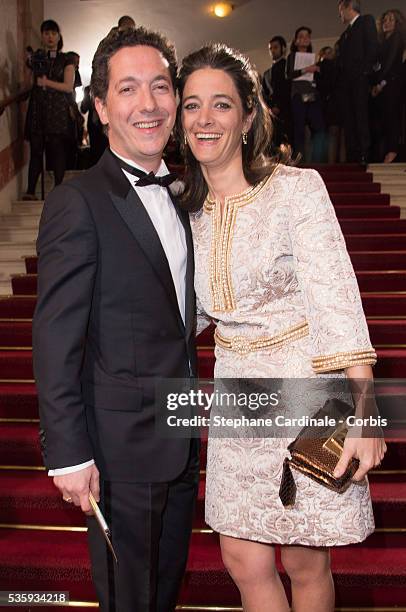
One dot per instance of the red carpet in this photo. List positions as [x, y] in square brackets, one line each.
[372, 574]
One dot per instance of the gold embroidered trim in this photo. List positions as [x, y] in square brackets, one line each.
[222, 233]
[339, 361]
[243, 345]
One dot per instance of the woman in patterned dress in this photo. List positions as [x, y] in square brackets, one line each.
[273, 273]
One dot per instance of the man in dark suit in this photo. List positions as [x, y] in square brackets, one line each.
[276, 89]
[357, 54]
[115, 313]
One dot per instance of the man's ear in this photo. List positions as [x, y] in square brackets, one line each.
[101, 110]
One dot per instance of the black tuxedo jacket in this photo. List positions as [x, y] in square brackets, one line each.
[358, 49]
[276, 86]
[107, 325]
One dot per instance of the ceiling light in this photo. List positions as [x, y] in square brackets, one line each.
[223, 9]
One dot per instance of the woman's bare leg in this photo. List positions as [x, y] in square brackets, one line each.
[252, 567]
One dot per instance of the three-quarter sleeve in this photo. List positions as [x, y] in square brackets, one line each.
[337, 324]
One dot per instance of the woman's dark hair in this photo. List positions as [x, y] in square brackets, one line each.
[256, 163]
[400, 23]
[49, 25]
[116, 40]
[293, 46]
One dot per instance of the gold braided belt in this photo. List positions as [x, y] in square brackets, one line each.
[243, 345]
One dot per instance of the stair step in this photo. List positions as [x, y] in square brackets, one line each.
[5, 287]
[373, 212]
[11, 266]
[18, 334]
[336, 187]
[377, 242]
[330, 176]
[381, 280]
[17, 249]
[18, 234]
[20, 220]
[17, 307]
[19, 207]
[382, 305]
[18, 401]
[378, 260]
[372, 226]
[360, 199]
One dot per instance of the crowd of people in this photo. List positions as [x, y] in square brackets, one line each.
[251, 244]
[345, 104]
[351, 97]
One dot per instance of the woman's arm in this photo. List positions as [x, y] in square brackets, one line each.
[369, 448]
[292, 74]
[68, 80]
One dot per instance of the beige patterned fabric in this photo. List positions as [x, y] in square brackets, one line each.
[273, 272]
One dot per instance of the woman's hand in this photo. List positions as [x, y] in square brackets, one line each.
[312, 69]
[42, 81]
[369, 451]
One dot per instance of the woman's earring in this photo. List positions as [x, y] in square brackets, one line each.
[184, 139]
[244, 138]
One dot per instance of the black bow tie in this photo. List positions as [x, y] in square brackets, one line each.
[147, 179]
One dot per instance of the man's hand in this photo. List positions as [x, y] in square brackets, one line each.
[76, 486]
[369, 451]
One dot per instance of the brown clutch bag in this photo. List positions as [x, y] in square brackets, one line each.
[317, 457]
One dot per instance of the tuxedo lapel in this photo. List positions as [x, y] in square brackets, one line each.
[133, 213]
[190, 270]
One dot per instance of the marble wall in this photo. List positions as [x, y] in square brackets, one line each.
[19, 27]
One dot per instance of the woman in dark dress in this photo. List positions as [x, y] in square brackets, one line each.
[49, 123]
[388, 90]
[306, 104]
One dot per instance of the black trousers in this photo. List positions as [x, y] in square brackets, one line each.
[151, 525]
[308, 113]
[354, 95]
[56, 150]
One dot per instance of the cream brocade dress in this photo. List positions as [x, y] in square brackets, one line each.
[275, 276]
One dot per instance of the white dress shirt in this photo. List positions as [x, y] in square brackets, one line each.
[353, 20]
[169, 228]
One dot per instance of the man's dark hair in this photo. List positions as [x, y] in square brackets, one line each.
[280, 40]
[126, 22]
[118, 39]
[293, 46]
[356, 4]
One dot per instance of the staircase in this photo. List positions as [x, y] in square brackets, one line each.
[43, 540]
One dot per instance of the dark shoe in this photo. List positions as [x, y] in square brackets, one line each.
[29, 197]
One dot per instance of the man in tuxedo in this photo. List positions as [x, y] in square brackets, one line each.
[115, 313]
[357, 54]
[276, 89]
